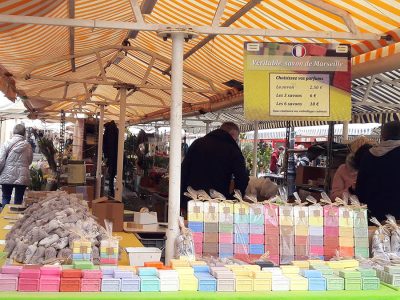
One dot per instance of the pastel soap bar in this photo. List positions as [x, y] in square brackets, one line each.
[195, 211]
[11, 269]
[26, 284]
[51, 270]
[30, 273]
[70, 284]
[286, 215]
[8, 282]
[49, 283]
[211, 211]
[90, 285]
[92, 274]
[130, 284]
[257, 214]
[271, 214]
[345, 217]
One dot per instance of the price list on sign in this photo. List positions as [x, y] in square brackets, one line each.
[299, 95]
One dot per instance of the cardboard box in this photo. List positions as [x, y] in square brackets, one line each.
[86, 190]
[110, 210]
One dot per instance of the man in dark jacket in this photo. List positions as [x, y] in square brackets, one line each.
[110, 150]
[213, 160]
[379, 176]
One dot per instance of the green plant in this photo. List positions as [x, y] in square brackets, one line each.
[37, 179]
[264, 152]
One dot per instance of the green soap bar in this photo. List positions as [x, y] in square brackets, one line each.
[227, 228]
[367, 272]
[349, 274]
[370, 283]
[392, 269]
[352, 284]
[67, 267]
[83, 265]
[334, 283]
[361, 251]
[326, 271]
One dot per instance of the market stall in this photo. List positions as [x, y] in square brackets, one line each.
[131, 66]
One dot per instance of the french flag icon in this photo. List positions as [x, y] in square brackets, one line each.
[299, 51]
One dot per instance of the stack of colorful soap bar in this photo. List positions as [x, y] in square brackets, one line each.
[316, 282]
[149, 280]
[243, 280]
[241, 228]
[210, 237]
[296, 281]
[9, 278]
[225, 229]
[81, 250]
[369, 279]
[390, 275]
[109, 251]
[331, 230]
[361, 242]
[50, 279]
[279, 282]
[286, 226]
[256, 229]
[346, 232]
[352, 279]
[169, 280]
[301, 239]
[196, 224]
[272, 241]
[206, 282]
[225, 279]
[316, 231]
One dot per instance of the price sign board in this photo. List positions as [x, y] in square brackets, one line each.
[284, 81]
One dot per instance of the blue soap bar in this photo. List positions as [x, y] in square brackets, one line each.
[316, 284]
[147, 271]
[311, 273]
[110, 285]
[108, 270]
[114, 256]
[149, 284]
[241, 238]
[257, 219]
[130, 284]
[80, 256]
[241, 219]
[241, 228]
[209, 285]
[196, 226]
[203, 275]
[225, 255]
[198, 269]
[256, 249]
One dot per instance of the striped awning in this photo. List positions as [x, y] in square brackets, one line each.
[49, 79]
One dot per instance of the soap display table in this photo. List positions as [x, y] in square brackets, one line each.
[384, 293]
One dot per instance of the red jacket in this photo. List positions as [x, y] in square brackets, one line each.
[273, 167]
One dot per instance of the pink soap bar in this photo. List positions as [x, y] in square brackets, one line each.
[92, 274]
[256, 239]
[108, 261]
[50, 270]
[28, 285]
[11, 269]
[331, 215]
[30, 273]
[49, 283]
[316, 250]
[331, 231]
[271, 213]
[241, 249]
[225, 238]
[90, 285]
[197, 237]
[198, 248]
[8, 282]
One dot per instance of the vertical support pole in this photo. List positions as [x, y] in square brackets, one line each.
[291, 168]
[207, 127]
[331, 135]
[345, 131]
[99, 152]
[255, 141]
[121, 138]
[175, 145]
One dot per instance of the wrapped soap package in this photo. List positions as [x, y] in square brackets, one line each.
[109, 247]
[184, 245]
[211, 211]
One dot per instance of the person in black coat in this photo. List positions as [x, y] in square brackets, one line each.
[379, 175]
[110, 150]
[213, 160]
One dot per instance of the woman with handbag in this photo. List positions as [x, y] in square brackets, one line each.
[15, 158]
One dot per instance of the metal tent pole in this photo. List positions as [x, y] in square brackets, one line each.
[255, 138]
[99, 152]
[345, 131]
[175, 144]
[121, 138]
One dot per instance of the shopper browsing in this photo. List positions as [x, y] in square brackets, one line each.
[15, 158]
[213, 160]
[379, 177]
[274, 164]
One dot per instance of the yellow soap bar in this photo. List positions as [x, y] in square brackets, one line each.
[262, 284]
[261, 275]
[109, 250]
[254, 268]
[241, 272]
[241, 208]
[127, 268]
[301, 230]
[346, 231]
[302, 264]
[244, 284]
[290, 269]
[184, 270]
[346, 241]
[198, 263]
[211, 211]
[192, 217]
[188, 283]
[316, 221]
[80, 250]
